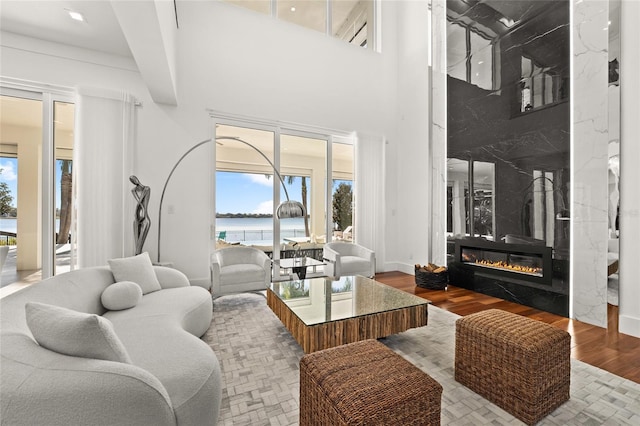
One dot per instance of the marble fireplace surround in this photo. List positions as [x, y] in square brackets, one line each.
[544, 286]
[588, 129]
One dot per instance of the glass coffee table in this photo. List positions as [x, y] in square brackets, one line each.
[325, 312]
[298, 265]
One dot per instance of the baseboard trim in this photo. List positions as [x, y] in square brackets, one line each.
[629, 325]
[399, 266]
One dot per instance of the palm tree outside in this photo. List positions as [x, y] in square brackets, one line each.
[66, 192]
[303, 190]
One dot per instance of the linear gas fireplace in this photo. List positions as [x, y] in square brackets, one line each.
[522, 273]
[525, 262]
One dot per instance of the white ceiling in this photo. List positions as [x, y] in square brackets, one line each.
[50, 20]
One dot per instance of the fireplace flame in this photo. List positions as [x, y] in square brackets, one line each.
[504, 265]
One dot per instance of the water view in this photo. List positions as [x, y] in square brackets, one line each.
[10, 224]
[258, 231]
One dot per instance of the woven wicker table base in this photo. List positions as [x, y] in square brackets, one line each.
[347, 330]
[520, 364]
[366, 383]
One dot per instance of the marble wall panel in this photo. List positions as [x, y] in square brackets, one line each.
[583, 180]
[487, 121]
[438, 135]
[590, 160]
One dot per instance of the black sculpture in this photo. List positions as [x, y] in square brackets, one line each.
[141, 223]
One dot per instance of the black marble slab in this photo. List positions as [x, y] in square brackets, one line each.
[554, 298]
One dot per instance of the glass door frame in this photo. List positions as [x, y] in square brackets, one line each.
[276, 187]
[48, 95]
[278, 128]
[328, 139]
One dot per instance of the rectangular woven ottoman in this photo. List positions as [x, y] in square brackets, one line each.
[520, 364]
[365, 383]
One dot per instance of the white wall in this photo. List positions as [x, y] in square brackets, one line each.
[408, 171]
[236, 61]
[629, 171]
[233, 60]
[240, 62]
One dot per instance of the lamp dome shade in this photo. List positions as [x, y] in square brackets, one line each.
[290, 209]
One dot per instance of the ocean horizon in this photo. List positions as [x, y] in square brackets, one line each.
[246, 229]
[257, 230]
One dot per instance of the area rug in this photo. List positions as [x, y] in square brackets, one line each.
[259, 361]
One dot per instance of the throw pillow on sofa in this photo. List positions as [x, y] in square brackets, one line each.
[138, 269]
[74, 333]
[121, 295]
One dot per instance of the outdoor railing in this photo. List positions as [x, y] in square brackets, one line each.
[8, 238]
[261, 234]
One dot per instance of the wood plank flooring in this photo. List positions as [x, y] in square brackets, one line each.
[600, 347]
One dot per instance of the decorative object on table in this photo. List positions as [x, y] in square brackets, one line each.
[299, 266]
[286, 209]
[141, 223]
[431, 276]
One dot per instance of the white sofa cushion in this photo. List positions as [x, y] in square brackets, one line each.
[121, 295]
[162, 336]
[138, 269]
[74, 333]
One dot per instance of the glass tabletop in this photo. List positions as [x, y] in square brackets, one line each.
[297, 262]
[321, 300]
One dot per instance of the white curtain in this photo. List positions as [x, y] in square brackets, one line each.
[369, 195]
[104, 133]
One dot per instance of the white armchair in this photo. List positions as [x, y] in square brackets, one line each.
[239, 269]
[348, 259]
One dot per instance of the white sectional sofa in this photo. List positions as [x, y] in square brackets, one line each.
[170, 377]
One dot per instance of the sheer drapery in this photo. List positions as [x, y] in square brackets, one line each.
[104, 139]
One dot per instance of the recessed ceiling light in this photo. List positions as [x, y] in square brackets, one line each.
[76, 15]
[293, 9]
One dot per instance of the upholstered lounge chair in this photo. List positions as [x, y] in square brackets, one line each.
[239, 269]
[348, 259]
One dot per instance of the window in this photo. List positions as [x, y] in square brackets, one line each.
[470, 212]
[261, 6]
[308, 13]
[342, 197]
[539, 85]
[469, 56]
[246, 188]
[36, 169]
[303, 164]
[348, 20]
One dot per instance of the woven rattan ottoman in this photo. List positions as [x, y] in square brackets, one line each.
[365, 383]
[520, 364]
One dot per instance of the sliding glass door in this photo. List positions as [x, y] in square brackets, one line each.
[303, 163]
[64, 241]
[244, 187]
[36, 150]
[315, 171]
[342, 194]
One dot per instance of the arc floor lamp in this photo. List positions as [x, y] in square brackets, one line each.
[286, 209]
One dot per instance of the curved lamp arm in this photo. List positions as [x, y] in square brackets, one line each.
[287, 209]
